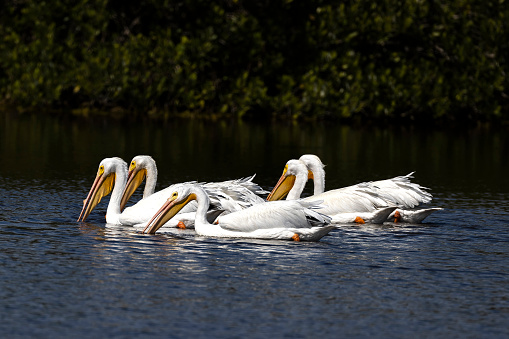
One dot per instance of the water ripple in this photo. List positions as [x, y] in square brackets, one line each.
[445, 277]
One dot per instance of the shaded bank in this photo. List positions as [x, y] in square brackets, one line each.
[417, 61]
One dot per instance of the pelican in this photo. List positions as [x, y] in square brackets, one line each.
[242, 192]
[364, 197]
[284, 220]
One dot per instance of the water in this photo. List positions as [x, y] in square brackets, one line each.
[447, 277]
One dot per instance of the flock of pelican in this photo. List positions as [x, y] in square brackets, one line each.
[235, 208]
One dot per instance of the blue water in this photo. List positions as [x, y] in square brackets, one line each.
[447, 277]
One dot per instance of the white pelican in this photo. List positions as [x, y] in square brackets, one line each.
[285, 220]
[240, 193]
[364, 197]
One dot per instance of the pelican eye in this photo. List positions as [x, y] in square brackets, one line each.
[133, 165]
[174, 195]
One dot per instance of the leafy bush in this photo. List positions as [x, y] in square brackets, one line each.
[363, 60]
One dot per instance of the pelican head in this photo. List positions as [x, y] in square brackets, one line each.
[316, 171]
[311, 159]
[313, 163]
[293, 170]
[103, 184]
[181, 196]
[137, 173]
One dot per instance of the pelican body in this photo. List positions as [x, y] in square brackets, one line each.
[284, 220]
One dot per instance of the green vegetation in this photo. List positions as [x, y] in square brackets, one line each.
[361, 60]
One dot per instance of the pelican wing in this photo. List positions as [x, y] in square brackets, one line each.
[357, 198]
[243, 191]
[234, 195]
[277, 214]
[246, 183]
[403, 192]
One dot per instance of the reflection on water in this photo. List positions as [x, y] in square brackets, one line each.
[446, 277]
[56, 149]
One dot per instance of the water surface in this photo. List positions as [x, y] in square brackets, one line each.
[447, 277]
